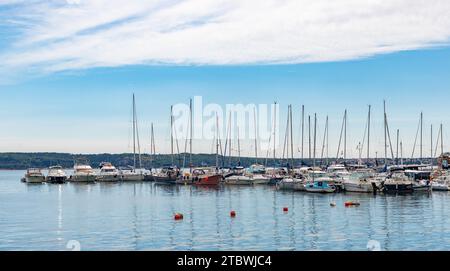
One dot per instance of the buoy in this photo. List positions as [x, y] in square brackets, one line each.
[351, 203]
[285, 209]
[178, 216]
[233, 214]
[333, 204]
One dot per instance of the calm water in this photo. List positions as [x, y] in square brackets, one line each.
[139, 216]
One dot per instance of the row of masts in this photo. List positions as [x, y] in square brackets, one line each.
[288, 147]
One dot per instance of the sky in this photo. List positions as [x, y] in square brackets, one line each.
[69, 68]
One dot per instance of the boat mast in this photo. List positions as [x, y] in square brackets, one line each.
[292, 137]
[275, 135]
[368, 136]
[303, 131]
[191, 130]
[239, 146]
[256, 135]
[345, 135]
[442, 140]
[385, 133]
[309, 136]
[401, 153]
[431, 156]
[325, 138]
[217, 142]
[152, 145]
[398, 136]
[134, 137]
[137, 134]
[315, 136]
[171, 134]
[421, 137]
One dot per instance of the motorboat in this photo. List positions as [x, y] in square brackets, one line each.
[108, 173]
[441, 183]
[56, 174]
[258, 174]
[397, 182]
[83, 173]
[131, 175]
[320, 185]
[167, 176]
[34, 175]
[238, 180]
[421, 180]
[292, 183]
[360, 183]
[202, 176]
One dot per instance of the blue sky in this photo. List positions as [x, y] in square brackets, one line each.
[67, 77]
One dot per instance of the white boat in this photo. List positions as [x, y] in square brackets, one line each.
[83, 173]
[56, 174]
[359, 183]
[108, 173]
[34, 175]
[291, 183]
[258, 174]
[238, 180]
[131, 175]
[442, 183]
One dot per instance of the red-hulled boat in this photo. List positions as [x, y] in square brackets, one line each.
[201, 177]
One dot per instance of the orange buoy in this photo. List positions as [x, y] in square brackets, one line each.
[285, 209]
[233, 214]
[178, 216]
[351, 203]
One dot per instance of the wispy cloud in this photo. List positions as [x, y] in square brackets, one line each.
[52, 36]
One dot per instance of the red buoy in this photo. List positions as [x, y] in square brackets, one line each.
[351, 203]
[285, 209]
[178, 216]
[233, 214]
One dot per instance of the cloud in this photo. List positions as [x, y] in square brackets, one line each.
[52, 36]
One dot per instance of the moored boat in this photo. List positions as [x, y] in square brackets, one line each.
[34, 175]
[56, 174]
[108, 173]
[83, 173]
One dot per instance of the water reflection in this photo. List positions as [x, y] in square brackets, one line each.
[135, 216]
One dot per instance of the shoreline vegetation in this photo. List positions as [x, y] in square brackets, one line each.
[24, 160]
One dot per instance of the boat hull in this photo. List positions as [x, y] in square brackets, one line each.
[109, 178]
[398, 188]
[208, 180]
[238, 180]
[132, 177]
[34, 179]
[56, 179]
[83, 178]
[164, 180]
[358, 187]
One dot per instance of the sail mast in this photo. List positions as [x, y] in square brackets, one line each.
[385, 133]
[275, 134]
[292, 137]
[191, 130]
[368, 136]
[256, 135]
[134, 137]
[171, 134]
[303, 132]
[421, 137]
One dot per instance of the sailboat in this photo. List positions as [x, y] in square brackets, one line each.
[170, 174]
[238, 177]
[318, 181]
[291, 181]
[257, 171]
[129, 173]
[202, 176]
